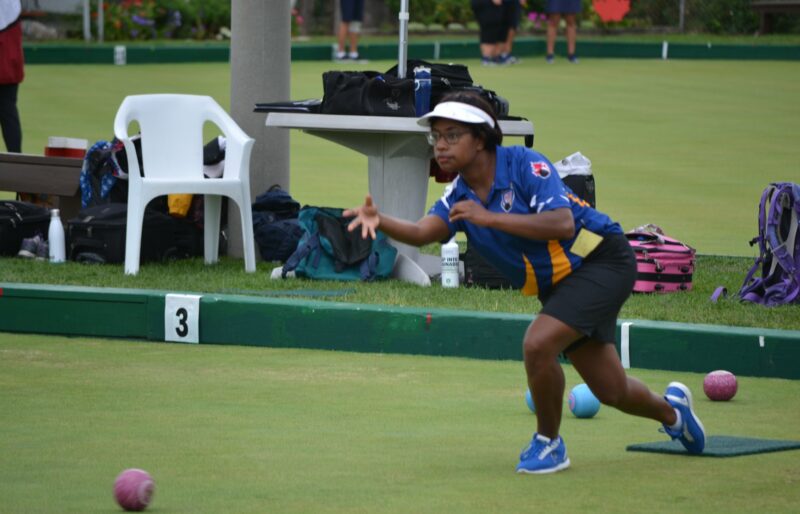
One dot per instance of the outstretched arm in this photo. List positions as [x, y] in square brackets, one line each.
[428, 229]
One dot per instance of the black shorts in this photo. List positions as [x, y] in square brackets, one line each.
[491, 21]
[563, 6]
[590, 298]
[511, 13]
[352, 10]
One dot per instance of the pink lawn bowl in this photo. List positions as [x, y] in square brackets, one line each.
[133, 489]
[720, 385]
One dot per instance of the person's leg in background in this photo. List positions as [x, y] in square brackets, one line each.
[352, 12]
[489, 16]
[355, 32]
[12, 73]
[344, 29]
[553, 20]
[9, 118]
[356, 17]
[499, 34]
[572, 36]
[488, 53]
[513, 11]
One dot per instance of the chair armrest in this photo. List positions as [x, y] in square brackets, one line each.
[229, 127]
[121, 122]
[238, 143]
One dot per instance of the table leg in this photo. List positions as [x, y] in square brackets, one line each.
[398, 182]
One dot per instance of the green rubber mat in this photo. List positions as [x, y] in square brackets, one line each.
[720, 446]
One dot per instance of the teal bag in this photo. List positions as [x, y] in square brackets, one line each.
[327, 251]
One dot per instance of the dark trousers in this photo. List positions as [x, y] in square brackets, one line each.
[9, 118]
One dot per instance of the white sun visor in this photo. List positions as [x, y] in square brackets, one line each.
[457, 111]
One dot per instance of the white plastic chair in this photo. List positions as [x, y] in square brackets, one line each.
[172, 156]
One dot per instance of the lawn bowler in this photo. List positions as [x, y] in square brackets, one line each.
[517, 213]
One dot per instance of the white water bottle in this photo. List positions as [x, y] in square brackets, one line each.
[55, 238]
[450, 264]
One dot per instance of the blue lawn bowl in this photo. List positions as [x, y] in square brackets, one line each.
[529, 401]
[582, 402]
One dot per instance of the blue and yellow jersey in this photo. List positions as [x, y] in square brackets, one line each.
[525, 182]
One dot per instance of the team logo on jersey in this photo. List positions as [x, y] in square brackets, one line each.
[540, 169]
[507, 200]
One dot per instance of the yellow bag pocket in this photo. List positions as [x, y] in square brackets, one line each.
[179, 204]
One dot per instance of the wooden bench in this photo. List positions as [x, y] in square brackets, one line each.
[767, 8]
[56, 176]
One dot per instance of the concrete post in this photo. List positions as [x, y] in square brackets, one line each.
[87, 21]
[260, 72]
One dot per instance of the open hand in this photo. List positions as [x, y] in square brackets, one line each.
[366, 216]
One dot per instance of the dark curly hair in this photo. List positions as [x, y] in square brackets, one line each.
[492, 137]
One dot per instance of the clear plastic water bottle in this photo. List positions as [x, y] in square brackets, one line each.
[55, 238]
[450, 264]
[422, 90]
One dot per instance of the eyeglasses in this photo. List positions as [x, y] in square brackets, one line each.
[450, 138]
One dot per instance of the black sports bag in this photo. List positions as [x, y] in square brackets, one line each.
[97, 235]
[20, 220]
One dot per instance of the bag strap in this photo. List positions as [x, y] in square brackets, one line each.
[303, 249]
[783, 202]
[660, 242]
[369, 266]
[15, 215]
[750, 284]
[644, 236]
[785, 291]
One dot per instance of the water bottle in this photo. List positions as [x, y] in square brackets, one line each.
[55, 238]
[422, 90]
[450, 264]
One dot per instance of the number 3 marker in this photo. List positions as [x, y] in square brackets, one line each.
[182, 318]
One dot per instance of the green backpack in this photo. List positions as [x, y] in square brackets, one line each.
[327, 251]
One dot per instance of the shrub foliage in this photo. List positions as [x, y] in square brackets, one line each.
[203, 19]
[165, 19]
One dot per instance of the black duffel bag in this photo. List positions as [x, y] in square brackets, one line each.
[20, 220]
[97, 235]
[371, 93]
[366, 93]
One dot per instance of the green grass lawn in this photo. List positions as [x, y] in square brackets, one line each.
[254, 430]
[687, 145]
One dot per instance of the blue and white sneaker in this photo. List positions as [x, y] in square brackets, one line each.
[543, 455]
[506, 59]
[691, 432]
